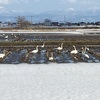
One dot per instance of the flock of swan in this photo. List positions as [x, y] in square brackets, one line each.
[74, 51]
[55, 54]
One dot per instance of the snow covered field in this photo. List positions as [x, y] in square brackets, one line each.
[79, 81]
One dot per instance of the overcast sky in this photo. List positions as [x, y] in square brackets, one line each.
[39, 6]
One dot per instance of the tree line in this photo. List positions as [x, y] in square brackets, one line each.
[23, 23]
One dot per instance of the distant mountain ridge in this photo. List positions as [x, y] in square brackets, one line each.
[70, 15]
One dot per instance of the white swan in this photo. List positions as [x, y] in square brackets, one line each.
[6, 37]
[2, 55]
[43, 45]
[51, 57]
[74, 51]
[35, 51]
[84, 52]
[60, 48]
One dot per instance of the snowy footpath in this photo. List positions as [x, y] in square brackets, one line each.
[80, 81]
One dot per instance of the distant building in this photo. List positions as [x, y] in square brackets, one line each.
[14, 24]
[55, 23]
[0, 23]
[47, 22]
[4, 25]
[82, 23]
[61, 24]
[97, 23]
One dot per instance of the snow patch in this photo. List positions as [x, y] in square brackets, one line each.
[50, 81]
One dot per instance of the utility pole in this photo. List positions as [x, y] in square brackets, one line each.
[64, 20]
[31, 20]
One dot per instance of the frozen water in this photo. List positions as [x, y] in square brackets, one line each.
[79, 81]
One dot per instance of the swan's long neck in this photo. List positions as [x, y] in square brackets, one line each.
[51, 56]
[74, 47]
[4, 52]
[85, 49]
[37, 48]
[62, 45]
[43, 44]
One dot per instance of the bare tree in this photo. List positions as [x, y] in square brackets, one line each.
[22, 22]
